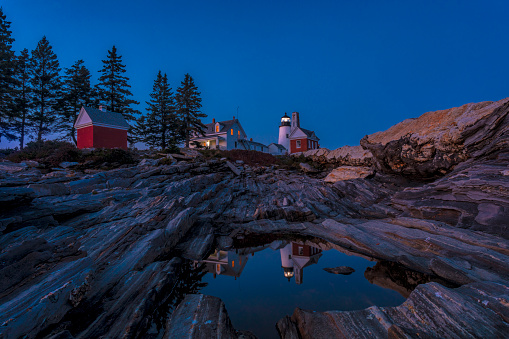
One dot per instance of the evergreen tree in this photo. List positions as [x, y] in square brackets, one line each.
[113, 88]
[160, 126]
[76, 92]
[188, 108]
[46, 82]
[7, 78]
[23, 96]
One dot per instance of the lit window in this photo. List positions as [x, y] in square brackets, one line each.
[238, 134]
[217, 128]
[231, 131]
[298, 143]
[233, 263]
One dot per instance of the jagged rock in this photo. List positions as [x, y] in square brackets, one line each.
[200, 316]
[307, 168]
[348, 173]
[340, 270]
[431, 145]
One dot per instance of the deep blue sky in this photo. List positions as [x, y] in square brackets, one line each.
[350, 68]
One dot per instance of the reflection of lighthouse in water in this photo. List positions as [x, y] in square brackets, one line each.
[296, 256]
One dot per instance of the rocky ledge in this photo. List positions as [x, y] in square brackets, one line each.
[99, 254]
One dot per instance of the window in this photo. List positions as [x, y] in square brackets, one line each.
[301, 250]
[231, 131]
[287, 136]
[235, 144]
[217, 128]
[298, 143]
[238, 134]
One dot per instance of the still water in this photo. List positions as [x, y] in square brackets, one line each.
[260, 285]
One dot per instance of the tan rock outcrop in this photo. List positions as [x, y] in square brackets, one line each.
[348, 173]
[432, 144]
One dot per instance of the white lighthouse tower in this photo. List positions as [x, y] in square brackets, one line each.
[284, 132]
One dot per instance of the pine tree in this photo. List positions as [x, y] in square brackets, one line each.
[76, 92]
[23, 96]
[188, 108]
[7, 78]
[113, 88]
[46, 83]
[160, 126]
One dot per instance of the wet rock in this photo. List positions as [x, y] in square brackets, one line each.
[200, 316]
[340, 270]
[348, 173]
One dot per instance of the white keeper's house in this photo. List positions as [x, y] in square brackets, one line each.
[229, 134]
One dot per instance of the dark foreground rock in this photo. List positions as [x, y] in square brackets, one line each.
[201, 316]
[477, 310]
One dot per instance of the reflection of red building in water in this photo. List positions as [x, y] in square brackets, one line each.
[295, 256]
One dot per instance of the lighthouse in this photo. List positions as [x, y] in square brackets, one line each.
[284, 132]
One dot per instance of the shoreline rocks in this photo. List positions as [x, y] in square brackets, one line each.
[112, 245]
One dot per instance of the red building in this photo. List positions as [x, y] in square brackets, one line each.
[301, 139]
[98, 128]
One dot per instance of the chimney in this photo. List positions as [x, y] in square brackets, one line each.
[213, 120]
[234, 117]
[295, 120]
[250, 139]
[100, 107]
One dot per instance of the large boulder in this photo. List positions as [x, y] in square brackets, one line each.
[432, 144]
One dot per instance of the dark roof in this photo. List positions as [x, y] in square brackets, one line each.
[226, 125]
[106, 117]
[307, 132]
[278, 145]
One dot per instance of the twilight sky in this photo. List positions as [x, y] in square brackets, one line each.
[350, 68]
